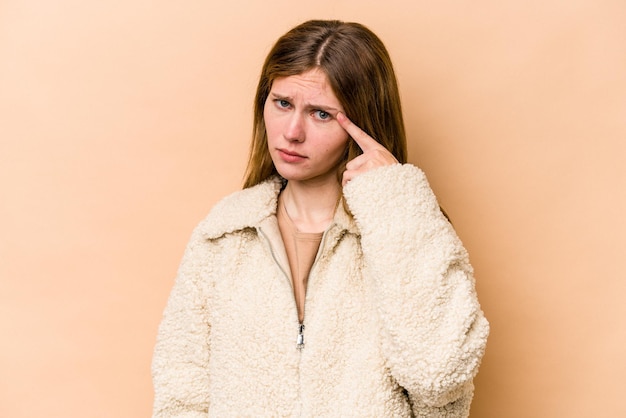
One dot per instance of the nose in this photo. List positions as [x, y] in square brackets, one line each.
[294, 130]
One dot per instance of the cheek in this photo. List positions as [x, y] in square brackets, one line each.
[336, 148]
[340, 141]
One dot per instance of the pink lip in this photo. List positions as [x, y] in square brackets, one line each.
[290, 156]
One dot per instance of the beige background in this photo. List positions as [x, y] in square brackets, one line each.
[123, 121]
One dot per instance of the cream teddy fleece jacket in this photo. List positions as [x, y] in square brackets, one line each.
[393, 327]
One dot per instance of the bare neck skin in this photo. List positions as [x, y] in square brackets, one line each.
[311, 206]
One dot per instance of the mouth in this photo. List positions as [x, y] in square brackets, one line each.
[290, 153]
[290, 156]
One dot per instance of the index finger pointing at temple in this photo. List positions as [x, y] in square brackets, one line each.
[363, 140]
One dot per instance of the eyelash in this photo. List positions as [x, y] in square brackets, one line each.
[322, 115]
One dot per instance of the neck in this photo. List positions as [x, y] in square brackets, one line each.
[311, 208]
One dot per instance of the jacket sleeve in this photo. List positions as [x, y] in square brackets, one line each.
[433, 330]
[181, 354]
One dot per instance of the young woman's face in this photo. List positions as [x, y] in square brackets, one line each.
[305, 140]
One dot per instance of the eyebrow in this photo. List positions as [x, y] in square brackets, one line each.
[325, 108]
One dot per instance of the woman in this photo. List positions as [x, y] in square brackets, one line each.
[332, 285]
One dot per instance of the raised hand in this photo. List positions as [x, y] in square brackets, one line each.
[374, 154]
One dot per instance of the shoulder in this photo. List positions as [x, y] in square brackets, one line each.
[242, 209]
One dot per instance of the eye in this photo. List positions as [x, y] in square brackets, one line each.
[322, 115]
[283, 104]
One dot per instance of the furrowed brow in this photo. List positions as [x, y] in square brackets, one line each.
[281, 96]
[325, 108]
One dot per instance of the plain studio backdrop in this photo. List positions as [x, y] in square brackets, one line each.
[123, 122]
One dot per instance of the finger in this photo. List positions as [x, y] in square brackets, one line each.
[356, 162]
[350, 174]
[363, 140]
[347, 176]
[371, 159]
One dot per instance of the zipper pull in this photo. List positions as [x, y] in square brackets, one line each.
[300, 340]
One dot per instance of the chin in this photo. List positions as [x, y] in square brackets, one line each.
[290, 176]
[290, 172]
[310, 178]
[293, 172]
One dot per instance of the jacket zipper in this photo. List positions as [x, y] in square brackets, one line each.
[300, 340]
[300, 337]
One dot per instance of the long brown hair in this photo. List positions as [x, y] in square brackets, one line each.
[360, 74]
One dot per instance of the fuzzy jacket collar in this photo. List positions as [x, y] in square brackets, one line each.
[248, 208]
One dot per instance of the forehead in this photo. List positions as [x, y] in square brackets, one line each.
[308, 85]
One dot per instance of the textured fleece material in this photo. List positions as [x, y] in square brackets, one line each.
[393, 324]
